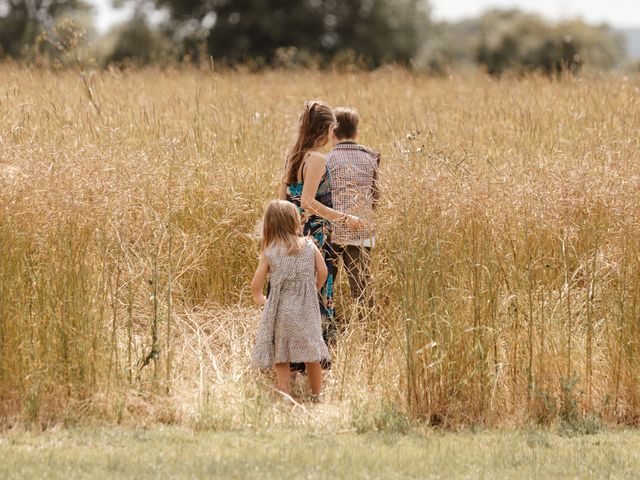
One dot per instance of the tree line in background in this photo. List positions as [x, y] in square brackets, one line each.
[318, 33]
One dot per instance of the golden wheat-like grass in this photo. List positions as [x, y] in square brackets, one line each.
[507, 276]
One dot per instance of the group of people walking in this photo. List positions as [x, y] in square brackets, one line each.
[324, 215]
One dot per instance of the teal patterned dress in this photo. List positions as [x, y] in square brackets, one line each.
[319, 229]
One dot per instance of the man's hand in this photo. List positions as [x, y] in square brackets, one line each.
[354, 223]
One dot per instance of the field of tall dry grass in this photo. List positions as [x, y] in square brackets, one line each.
[507, 275]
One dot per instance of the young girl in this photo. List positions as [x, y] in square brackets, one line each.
[290, 329]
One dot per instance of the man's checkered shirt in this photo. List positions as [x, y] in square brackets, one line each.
[354, 188]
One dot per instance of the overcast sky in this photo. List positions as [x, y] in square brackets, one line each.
[618, 13]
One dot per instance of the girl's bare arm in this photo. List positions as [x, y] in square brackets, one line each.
[321, 269]
[259, 278]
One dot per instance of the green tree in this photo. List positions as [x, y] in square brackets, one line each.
[502, 40]
[378, 31]
[511, 39]
[134, 42]
[23, 21]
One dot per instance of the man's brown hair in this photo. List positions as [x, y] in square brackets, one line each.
[348, 119]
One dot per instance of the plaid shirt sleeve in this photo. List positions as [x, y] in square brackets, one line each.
[376, 184]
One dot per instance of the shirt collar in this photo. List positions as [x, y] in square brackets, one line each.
[347, 145]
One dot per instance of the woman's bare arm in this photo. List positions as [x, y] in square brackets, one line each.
[282, 190]
[315, 168]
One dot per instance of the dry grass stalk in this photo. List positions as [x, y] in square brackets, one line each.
[507, 277]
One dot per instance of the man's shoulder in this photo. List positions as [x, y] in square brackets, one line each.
[371, 152]
[346, 152]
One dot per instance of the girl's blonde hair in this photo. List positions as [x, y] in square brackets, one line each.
[281, 226]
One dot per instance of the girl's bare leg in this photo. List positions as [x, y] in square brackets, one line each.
[283, 374]
[314, 371]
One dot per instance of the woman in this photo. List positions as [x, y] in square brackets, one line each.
[306, 183]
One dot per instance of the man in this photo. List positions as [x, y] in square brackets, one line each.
[354, 188]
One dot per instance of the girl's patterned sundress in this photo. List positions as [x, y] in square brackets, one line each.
[291, 325]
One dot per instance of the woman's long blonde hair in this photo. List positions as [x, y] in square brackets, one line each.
[282, 226]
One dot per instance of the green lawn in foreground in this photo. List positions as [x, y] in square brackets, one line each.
[180, 453]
